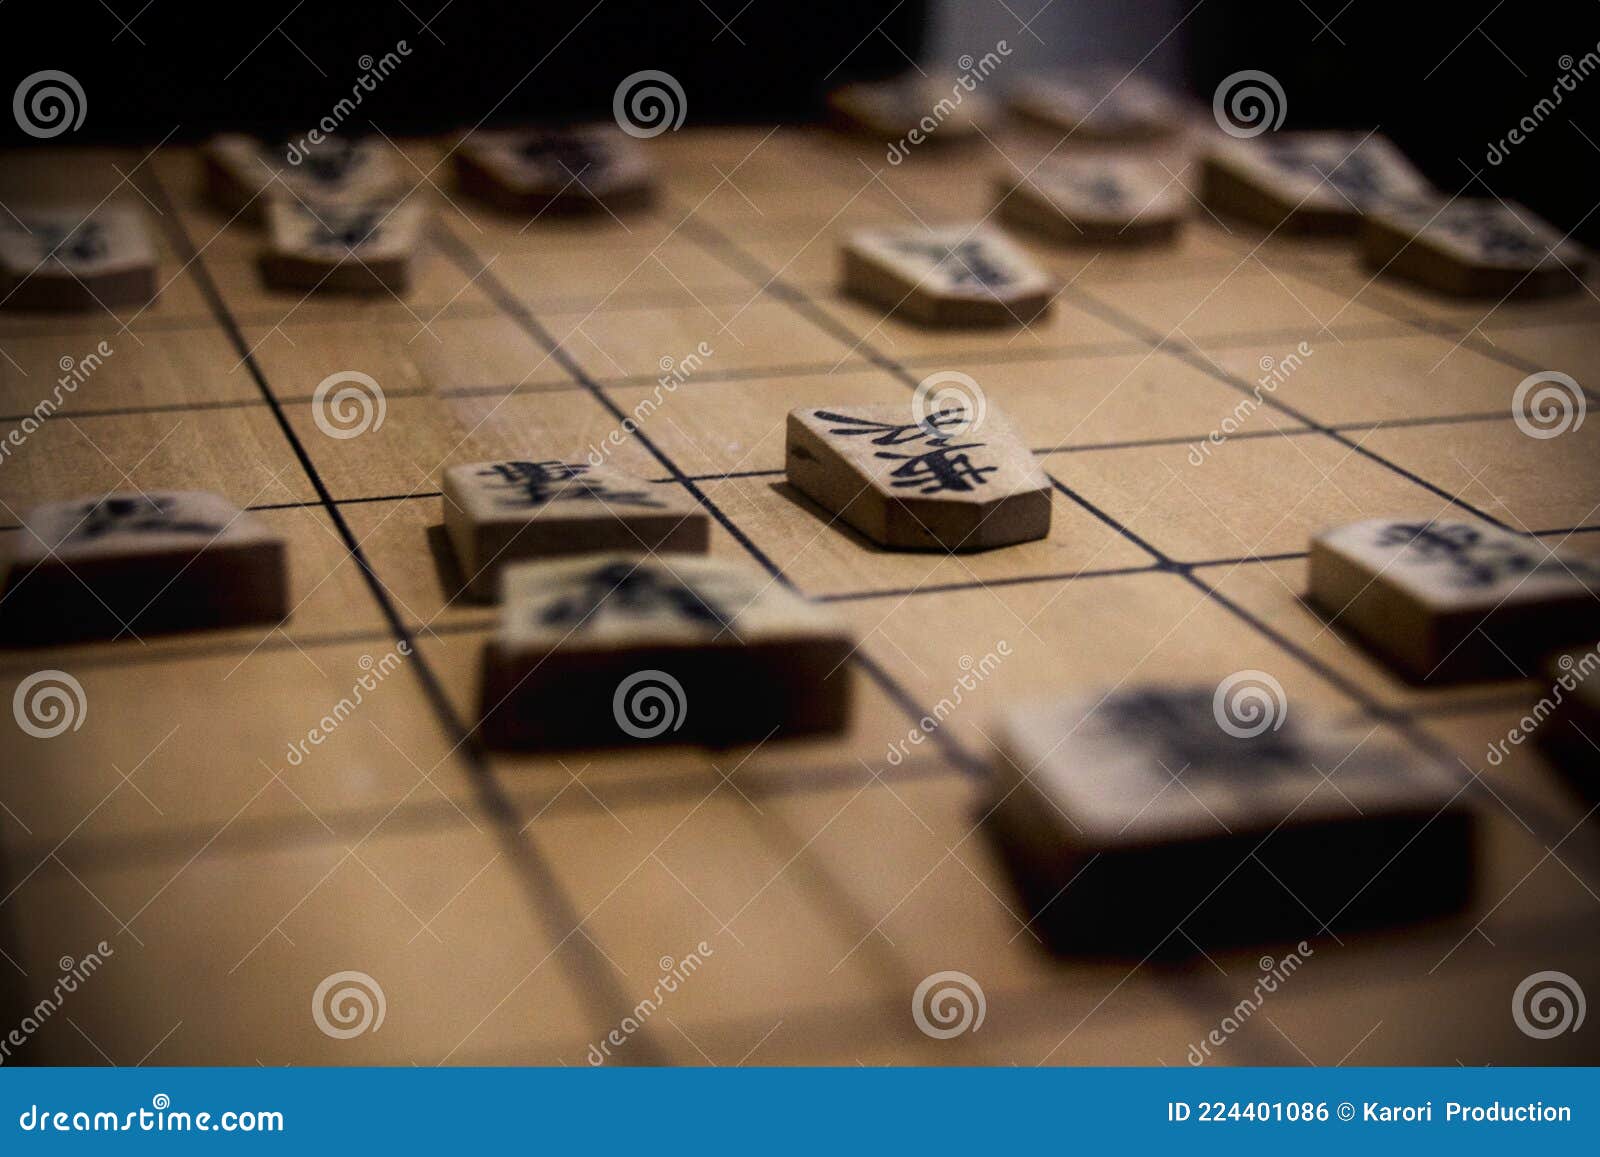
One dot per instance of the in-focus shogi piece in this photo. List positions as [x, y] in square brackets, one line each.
[912, 111]
[618, 649]
[920, 481]
[1308, 182]
[1472, 248]
[588, 168]
[1453, 600]
[955, 275]
[76, 258]
[1224, 810]
[137, 564]
[1098, 105]
[1096, 201]
[243, 174]
[497, 513]
[337, 247]
[1566, 718]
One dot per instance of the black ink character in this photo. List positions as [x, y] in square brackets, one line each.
[561, 151]
[330, 162]
[349, 230]
[537, 483]
[141, 516]
[938, 468]
[87, 242]
[635, 590]
[967, 263]
[1473, 562]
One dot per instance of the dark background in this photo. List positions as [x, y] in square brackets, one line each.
[1443, 80]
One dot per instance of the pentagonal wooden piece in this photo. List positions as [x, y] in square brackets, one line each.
[615, 649]
[1447, 600]
[499, 513]
[1472, 248]
[1310, 182]
[1131, 813]
[1097, 105]
[1096, 200]
[140, 563]
[947, 480]
[588, 168]
[911, 112]
[243, 174]
[334, 246]
[83, 258]
[954, 275]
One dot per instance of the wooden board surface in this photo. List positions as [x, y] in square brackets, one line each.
[519, 908]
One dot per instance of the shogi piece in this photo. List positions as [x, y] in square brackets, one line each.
[1314, 182]
[1472, 248]
[911, 112]
[497, 513]
[1129, 814]
[619, 649]
[574, 170]
[137, 564]
[959, 275]
[1096, 201]
[76, 259]
[1567, 714]
[938, 481]
[243, 175]
[1453, 600]
[1098, 106]
[334, 247]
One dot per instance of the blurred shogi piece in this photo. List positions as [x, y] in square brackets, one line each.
[617, 649]
[1308, 182]
[911, 111]
[949, 479]
[1098, 105]
[243, 174]
[76, 258]
[498, 513]
[582, 169]
[1444, 601]
[336, 247]
[142, 563]
[1472, 248]
[1567, 715]
[1096, 201]
[1154, 818]
[953, 275]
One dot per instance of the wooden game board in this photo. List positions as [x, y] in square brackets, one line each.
[518, 909]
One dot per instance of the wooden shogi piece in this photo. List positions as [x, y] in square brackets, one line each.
[65, 258]
[1099, 105]
[1447, 600]
[1137, 821]
[498, 513]
[1096, 201]
[618, 649]
[243, 174]
[338, 247]
[937, 109]
[1472, 248]
[587, 168]
[142, 563]
[954, 275]
[1307, 182]
[910, 481]
[1566, 718]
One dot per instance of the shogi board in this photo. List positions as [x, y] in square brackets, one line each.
[241, 815]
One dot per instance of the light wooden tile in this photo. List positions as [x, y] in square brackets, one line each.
[1204, 305]
[675, 272]
[160, 368]
[1065, 325]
